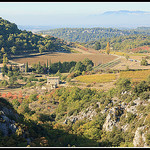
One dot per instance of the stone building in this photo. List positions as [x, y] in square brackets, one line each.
[53, 82]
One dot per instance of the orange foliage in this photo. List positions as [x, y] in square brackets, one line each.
[14, 97]
[9, 95]
[26, 97]
[20, 95]
[4, 95]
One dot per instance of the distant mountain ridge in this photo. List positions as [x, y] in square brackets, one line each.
[125, 12]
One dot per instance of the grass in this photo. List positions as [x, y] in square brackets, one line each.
[135, 75]
[98, 78]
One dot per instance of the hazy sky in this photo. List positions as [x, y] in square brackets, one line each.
[47, 13]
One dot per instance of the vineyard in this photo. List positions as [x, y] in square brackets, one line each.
[135, 75]
[96, 78]
[108, 65]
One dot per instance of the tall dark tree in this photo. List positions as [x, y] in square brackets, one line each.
[26, 67]
[97, 46]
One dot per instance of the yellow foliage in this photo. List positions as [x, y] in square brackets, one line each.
[135, 75]
[98, 78]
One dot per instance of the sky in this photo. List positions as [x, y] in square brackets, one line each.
[55, 13]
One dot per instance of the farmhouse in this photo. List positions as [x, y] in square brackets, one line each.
[53, 82]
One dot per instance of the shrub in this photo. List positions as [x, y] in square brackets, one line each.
[130, 117]
[40, 80]
[123, 84]
[141, 87]
[3, 83]
[144, 62]
[145, 95]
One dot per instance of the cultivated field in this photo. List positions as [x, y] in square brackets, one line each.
[96, 57]
[96, 78]
[135, 75]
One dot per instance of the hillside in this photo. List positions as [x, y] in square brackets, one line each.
[93, 34]
[85, 34]
[125, 39]
[127, 43]
[14, 41]
[75, 117]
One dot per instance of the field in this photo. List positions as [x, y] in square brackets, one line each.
[129, 54]
[97, 78]
[96, 57]
[135, 75]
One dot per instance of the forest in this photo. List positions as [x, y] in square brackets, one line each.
[120, 40]
[15, 42]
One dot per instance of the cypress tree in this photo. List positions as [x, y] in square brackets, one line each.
[27, 68]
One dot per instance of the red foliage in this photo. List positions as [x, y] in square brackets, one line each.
[20, 101]
[20, 95]
[4, 95]
[14, 96]
[20, 92]
[9, 95]
[26, 97]
[140, 49]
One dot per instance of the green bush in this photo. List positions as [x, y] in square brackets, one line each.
[123, 84]
[40, 80]
[145, 95]
[144, 62]
[3, 83]
[130, 117]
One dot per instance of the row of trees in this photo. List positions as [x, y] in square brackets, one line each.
[64, 67]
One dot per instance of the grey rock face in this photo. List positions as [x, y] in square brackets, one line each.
[89, 113]
[139, 138]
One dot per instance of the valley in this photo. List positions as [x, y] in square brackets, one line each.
[56, 93]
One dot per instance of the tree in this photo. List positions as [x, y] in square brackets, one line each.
[97, 46]
[5, 59]
[2, 50]
[108, 48]
[144, 62]
[47, 64]
[13, 49]
[4, 70]
[27, 68]
[79, 66]
[123, 84]
[41, 49]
